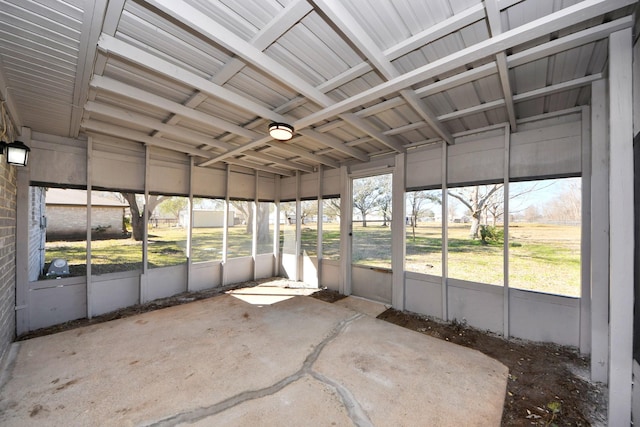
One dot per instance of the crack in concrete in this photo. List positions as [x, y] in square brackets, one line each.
[354, 410]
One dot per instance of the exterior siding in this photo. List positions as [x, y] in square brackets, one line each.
[8, 183]
[37, 231]
[71, 221]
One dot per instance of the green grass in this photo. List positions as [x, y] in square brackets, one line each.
[544, 258]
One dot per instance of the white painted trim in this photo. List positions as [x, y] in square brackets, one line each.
[599, 233]
[88, 231]
[585, 236]
[505, 261]
[445, 232]
[398, 235]
[621, 232]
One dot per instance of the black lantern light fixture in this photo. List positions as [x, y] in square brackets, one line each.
[280, 131]
[17, 153]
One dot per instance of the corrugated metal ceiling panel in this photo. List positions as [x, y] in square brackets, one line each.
[269, 60]
[39, 49]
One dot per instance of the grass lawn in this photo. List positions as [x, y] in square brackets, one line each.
[545, 258]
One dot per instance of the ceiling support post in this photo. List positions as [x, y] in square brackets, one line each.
[621, 211]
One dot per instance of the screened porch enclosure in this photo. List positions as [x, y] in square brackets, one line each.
[315, 228]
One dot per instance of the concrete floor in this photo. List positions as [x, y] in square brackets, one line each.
[234, 361]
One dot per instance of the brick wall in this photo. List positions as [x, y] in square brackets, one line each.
[7, 256]
[71, 221]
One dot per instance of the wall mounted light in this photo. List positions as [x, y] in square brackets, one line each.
[17, 153]
[281, 131]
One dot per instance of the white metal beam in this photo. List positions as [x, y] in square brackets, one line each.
[340, 17]
[256, 166]
[208, 27]
[277, 160]
[134, 93]
[133, 118]
[145, 59]
[563, 18]
[599, 233]
[334, 143]
[94, 15]
[621, 231]
[120, 132]
[493, 16]
[288, 17]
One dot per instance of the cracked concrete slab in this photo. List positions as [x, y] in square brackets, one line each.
[362, 305]
[223, 361]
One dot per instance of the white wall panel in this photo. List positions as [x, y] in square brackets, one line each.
[288, 188]
[205, 275]
[57, 302]
[238, 270]
[423, 294]
[371, 283]
[480, 305]
[331, 182]
[209, 182]
[309, 185]
[546, 151]
[264, 266]
[476, 160]
[58, 160]
[424, 167]
[541, 317]
[169, 172]
[118, 165]
[166, 281]
[310, 270]
[243, 186]
[266, 188]
[330, 274]
[110, 292]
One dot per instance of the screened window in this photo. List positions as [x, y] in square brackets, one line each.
[240, 228]
[207, 229]
[167, 241]
[544, 236]
[309, 223]
[266, 221]
[371, 222]
[423, 228]
[331, 228]
[476, 233]
[113, 247]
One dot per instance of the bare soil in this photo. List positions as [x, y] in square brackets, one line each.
[548, 384]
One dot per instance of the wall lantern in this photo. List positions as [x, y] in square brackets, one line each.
[281, 131]
[17, 153]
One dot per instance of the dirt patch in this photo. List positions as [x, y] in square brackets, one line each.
[548, 384]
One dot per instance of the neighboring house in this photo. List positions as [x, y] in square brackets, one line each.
[37, 231]
[207, 218]
[66, 215]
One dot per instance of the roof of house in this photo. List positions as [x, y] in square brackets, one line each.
[59, 196]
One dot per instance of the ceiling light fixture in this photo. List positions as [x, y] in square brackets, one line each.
[281, 131]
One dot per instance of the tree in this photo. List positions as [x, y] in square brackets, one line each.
[331, 208]
[566, 206]
[416, 200]
[384, 197]
[308, 209]
[369, 194]
[137, 207]
[173, 206]
[475, 199]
